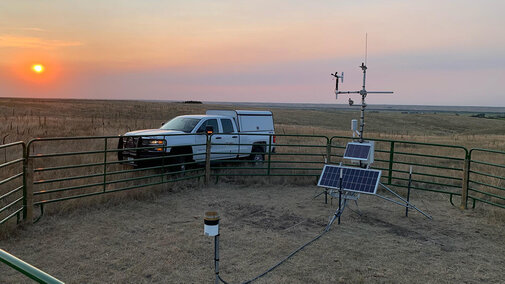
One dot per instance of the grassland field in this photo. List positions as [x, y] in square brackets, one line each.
[24, 119]
[129, 238]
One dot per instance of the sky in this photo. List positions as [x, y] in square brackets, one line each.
[428, 52]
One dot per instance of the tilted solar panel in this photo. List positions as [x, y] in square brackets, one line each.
[353, 179]
[357, 151]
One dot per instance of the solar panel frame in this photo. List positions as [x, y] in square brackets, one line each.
[353, 179]
[357, 151]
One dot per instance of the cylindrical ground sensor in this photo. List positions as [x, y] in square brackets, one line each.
[211, 224]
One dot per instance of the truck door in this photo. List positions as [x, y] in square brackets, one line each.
[217, 151]
[230, 138]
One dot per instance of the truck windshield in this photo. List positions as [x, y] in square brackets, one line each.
[184, 124]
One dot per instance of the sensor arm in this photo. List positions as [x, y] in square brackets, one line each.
[359, 92]
[339, 92]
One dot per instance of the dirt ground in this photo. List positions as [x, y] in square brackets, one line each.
[161, 240]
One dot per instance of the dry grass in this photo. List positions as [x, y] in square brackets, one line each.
[29, 118]
[161, 240]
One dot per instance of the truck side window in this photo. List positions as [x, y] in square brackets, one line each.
[227, 125]
[210, 122]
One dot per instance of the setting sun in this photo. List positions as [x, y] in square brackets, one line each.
[38, 68]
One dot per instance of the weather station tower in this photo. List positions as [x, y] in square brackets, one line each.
[363, 92]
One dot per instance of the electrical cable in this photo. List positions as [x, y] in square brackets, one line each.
[222, 279]
[326, 230]
[337, 214]
[286, 258]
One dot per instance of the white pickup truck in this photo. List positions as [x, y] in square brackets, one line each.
[236, 134]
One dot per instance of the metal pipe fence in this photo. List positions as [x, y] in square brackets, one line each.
[76, 167]
[486, 181]
[27, 269]
[290, 155]
[51, 170]
[12, 188]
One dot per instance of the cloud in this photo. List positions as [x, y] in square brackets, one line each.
[32, 29]
[25, 29]
[34, 42]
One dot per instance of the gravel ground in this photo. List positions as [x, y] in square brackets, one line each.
[160, 239]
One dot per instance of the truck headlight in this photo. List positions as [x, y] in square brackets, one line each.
[153, 142]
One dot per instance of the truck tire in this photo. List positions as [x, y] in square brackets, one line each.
[180, 159]
[257, 155]
[120, 146]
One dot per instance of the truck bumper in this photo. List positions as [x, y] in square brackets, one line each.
[132, 154]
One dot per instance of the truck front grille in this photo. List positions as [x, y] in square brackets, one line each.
[131, 142]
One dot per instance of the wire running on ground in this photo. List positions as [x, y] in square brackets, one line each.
[326, 230]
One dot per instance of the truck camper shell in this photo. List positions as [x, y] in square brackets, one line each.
[249, 120]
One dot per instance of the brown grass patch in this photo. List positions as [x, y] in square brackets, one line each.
[161, 240]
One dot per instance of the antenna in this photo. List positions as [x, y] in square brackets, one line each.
[363, 92]
[366, 47]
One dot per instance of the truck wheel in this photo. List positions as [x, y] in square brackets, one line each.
[257, 155]
[120, 146]
[180, 160]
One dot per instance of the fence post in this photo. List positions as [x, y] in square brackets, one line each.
[269, 153]
[328, 151]
[391, 158]
[105, 166]
[163, 163]
[208, 147]
[27, 186]
[466, 181]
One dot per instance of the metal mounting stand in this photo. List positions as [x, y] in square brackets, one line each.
[337, 214]
[216, 259]
[404, 203]
[345, 195]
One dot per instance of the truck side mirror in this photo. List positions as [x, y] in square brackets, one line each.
[209, 129]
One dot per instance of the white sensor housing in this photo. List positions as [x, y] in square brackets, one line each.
[211, 224]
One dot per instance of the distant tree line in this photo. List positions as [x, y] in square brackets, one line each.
[483, 115]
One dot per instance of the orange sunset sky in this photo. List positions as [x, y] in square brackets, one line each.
[428, 52]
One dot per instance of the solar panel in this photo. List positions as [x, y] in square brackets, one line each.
[353, 179]
[357, 151]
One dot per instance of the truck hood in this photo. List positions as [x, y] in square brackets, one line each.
[153, 132]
